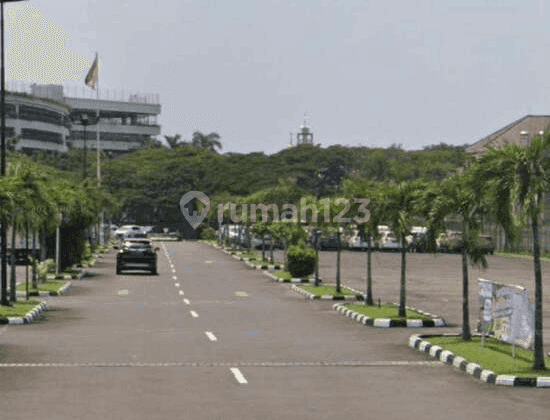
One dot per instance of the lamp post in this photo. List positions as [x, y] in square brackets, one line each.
[85, 120]
[3, 236]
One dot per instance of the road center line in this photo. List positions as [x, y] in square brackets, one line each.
[239, 376]
[181, 292]
[211, 336]
[177, 284]
[194, 314]
[186, 301]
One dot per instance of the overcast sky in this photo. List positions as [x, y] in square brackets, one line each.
[367, 73]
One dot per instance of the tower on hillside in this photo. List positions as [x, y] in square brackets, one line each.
[305, 135]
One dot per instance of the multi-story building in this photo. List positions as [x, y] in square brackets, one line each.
[49, 118]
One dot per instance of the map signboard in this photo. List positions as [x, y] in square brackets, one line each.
[507, 313]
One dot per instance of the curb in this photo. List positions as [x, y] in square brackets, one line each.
[309, 295]
[417, 342]
[32, 314]
[388, 323]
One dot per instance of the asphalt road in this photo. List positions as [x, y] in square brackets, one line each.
[210, 338]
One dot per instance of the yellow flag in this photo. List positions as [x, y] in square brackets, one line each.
[91, 78]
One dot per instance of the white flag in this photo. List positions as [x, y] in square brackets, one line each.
[91, 78]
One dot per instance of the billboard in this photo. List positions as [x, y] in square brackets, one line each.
[506, 313]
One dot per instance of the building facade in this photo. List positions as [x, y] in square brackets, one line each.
[519, 132]
[48, 118]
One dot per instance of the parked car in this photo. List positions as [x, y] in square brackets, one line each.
[137, 254]
[390, 243]
[453, 243]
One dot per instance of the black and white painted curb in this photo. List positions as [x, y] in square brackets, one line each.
[388, 323]
[488, 376]
[62, 290]
[32, 314]
[309, 295]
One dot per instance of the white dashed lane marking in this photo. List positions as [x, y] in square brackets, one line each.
[186, 301]
[239, 376]
[194, 314]
[211, 336]
[177, 284]
[243, 294]
[181, 292]
[174, 277]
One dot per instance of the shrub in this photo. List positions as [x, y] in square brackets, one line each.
[301, 261]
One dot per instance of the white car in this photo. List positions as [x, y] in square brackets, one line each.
[128, 231]
[390, 243]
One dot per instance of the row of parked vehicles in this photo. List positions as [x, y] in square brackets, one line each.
[448, 242]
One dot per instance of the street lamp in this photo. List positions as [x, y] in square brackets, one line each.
[84, 120]
[3, 236]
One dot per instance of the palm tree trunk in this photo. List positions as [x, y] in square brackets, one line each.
[34, 261]
[369, 300]
[316, 261]
[538, 363]
[466, 335]
[26, 261]
[402, 303]
[13, 295]
[338, 265]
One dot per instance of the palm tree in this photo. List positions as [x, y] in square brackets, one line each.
[400, 205]
[369, 229]
[462, 195]
[525, 176]
[173, 141]
[209, 141]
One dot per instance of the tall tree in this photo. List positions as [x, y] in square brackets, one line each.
[526, 177]
[206, 141]
[401, 205]
[464, 196]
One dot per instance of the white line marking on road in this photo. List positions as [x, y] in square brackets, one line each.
[123, 292]
[208, 262]
[181, 292]
[239, 376]
[194, 314]
[173, 271]
[241, 294]
[211, 336]
[177, 284]
[172, 266]
[174, 277]
[186, 301]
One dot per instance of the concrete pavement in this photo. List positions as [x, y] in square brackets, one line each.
[177, 337]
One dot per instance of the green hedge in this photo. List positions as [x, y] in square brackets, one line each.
[301, 261]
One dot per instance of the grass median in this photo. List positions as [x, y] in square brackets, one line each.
[18, 309]
[385, 311]
[48, 286]
[285, 275]
[325, 290]
[493, 355]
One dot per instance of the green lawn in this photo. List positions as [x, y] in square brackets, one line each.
[524, 254]
[386, 311]
[19, 309]
[494, 355]
[48, 286]
[326, 290]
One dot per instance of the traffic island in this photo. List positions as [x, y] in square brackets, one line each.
[286, 277]
[385, 316]
[22, 312]
[49, 288]
[327, 292]
[493, 362]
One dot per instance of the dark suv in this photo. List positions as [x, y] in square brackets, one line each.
[137, 255]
